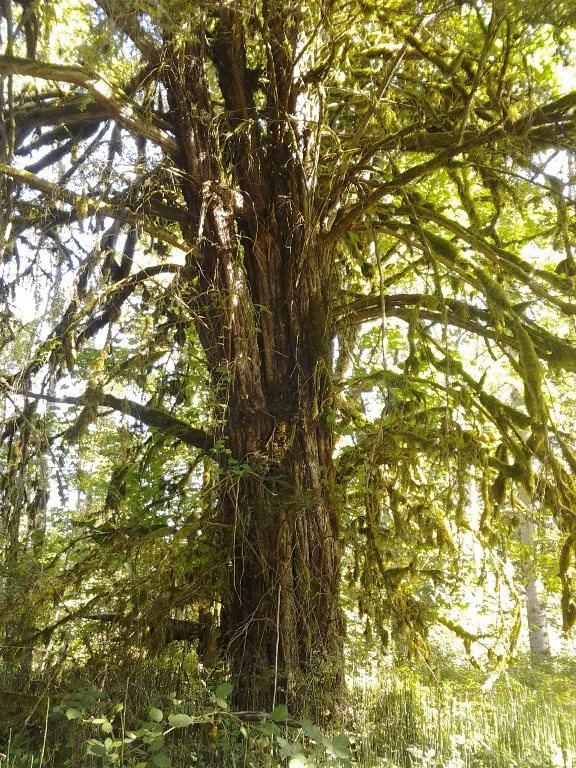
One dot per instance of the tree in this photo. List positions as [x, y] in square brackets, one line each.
[535, 607]
[247, 185]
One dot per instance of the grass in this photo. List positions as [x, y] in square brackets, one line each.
[401, 718]
[527, 719]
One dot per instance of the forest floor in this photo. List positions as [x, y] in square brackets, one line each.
[162, 716]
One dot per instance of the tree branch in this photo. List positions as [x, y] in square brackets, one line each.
[169, 629]
[89, 206]
[538, 118]
[99, 90]
[152, 417]
[118, 293]
[127, 22]
[550, 348]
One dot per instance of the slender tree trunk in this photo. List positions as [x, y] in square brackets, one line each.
[535, 608]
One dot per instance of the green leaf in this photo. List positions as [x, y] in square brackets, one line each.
[223, 691]
[73, 714]
[312, 731]
[153, 728]
[180, 720]
[156, 744]
[290, 748]
[156, 715]
[279, 713]
[268, 729]
[285, 746]
[96, 748]
[341, 746]
[162, 761]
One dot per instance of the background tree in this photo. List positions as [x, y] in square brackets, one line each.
[287, 223]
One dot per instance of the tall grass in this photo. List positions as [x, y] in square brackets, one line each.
[526, 719]
[395, 719]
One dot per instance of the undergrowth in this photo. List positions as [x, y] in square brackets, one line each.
[147, 715]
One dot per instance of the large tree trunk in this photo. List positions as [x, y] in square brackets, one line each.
[259, 286]
[282, 621]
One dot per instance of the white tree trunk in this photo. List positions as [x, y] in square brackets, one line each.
[535, 607]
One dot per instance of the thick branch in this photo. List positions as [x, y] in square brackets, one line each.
[152, 417]
[553, 349]
[72, 117]
[171, 630]
[99, 90]
[228, 48]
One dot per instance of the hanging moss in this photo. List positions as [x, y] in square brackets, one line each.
[567, 576]
[532, 376]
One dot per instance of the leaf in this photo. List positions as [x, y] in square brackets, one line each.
[279, 713]
[162, 761]
[152, 728]
[285, 746]
[312, 731]
[223, 690]
[268, 729]
[180, 720]
[96, 748]
[156, 744]
[341, 746]
[156, 715]
[290, 748]
[73, 714]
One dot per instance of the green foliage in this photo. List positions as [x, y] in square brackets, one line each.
[165, 740]
[346, 221]
[402, 718]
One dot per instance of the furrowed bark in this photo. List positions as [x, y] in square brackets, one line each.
[260, 296]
